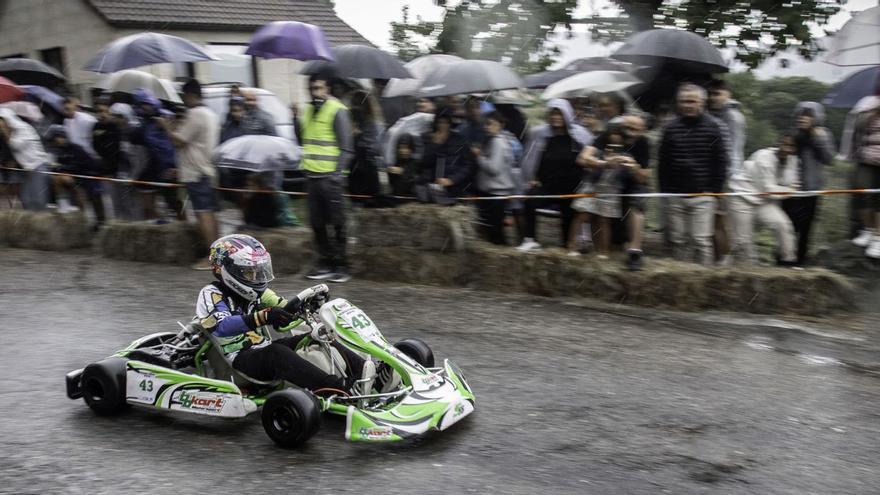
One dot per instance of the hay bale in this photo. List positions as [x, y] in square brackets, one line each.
[411, 266]
[45, 231]
[290, 247]
[425, 227]
[173, 243]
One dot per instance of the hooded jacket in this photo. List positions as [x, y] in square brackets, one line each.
[814, 150]
[852, 129]
[693, 156]
[538, 136]
[24, 142]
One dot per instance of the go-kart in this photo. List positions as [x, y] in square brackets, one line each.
[186, 372]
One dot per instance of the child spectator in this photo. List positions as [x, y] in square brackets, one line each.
[494, 177]
[74, 159]
[403, 174]
[607, 175]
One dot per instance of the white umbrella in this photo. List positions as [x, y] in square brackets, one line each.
[469, 77]
[419, 68]
[858, 41]
[258, 153]
[586, 83]
[127, 81]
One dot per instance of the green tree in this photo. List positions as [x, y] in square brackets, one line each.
[756, 29]
[402, 37]
[512, 31]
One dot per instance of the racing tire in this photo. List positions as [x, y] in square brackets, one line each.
[103, 386]
[417, 350]
[290, 417]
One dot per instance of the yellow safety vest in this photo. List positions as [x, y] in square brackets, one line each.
[320, 153]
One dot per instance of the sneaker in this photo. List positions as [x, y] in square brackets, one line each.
[634, 262]
[573, 254]
[528, 244]
[320, 273]
[364, 386]
[66, 208]
[863, 239]
[340, 276]
[873, 250]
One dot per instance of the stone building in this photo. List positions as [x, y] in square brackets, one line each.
[67, 33]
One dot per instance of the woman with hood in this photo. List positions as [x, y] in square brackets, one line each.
[549, 166]
[815, 149]
[27, 151]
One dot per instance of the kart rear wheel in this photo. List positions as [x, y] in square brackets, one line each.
[417, 350]
[103, 386]
[290, 417]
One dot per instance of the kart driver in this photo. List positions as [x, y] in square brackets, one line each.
[238, 308]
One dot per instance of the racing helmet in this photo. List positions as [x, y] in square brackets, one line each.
[242, 264]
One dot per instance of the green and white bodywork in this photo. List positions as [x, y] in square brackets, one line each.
[413, 401]
[426, 398]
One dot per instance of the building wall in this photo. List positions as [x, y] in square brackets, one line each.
[28, 26]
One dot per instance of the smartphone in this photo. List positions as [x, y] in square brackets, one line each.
[613, 148]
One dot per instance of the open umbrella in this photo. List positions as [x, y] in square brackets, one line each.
[30, 71]
[543, 79]
[9, 91]
[258, 153]
[359, 62]
[43, 97]
[848, 92]
[419, 68]
[290, 39]
[858, 41]
[586, 83]
[127, 81]
[142, 49]
[672, 49]
[468, 77]
[24, 109]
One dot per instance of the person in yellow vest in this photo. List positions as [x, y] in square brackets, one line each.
[324, 129]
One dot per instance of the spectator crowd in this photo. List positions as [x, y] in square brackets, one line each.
[451, 148]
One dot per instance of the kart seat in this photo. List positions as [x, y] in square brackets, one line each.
[151, 356]
[220, 367]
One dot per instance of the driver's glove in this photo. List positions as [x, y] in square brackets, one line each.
[294, 306]
[274, 316]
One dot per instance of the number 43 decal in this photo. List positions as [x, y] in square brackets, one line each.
[146, 385]
[360, 320]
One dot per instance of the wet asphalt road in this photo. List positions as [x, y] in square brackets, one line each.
[570, 400]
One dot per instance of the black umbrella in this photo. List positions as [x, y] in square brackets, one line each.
[359, 62]
[543, 79]
[848, 92]
[673, 49]
[30, 71]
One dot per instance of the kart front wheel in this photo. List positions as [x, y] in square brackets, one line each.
[103, 386]
[417, 350]
[290, 417]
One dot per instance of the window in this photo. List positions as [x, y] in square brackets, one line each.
[16, 55]
[233, 65]
[54, 57]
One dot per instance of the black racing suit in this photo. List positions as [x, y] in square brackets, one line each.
[252, 350]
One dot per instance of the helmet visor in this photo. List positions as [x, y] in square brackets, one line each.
[258, 274]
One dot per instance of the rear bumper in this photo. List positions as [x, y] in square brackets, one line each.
[74, 385]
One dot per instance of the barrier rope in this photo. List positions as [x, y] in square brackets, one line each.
[824, 192]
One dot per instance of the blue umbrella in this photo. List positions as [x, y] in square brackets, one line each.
[142, 49]
[848, 92]
[290, 39]
[43, 96]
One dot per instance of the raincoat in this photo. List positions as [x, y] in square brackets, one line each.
[538, 136]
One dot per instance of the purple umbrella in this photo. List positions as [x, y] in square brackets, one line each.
[43, 96]
[142, 49]
[848, 92]
[290, 39]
